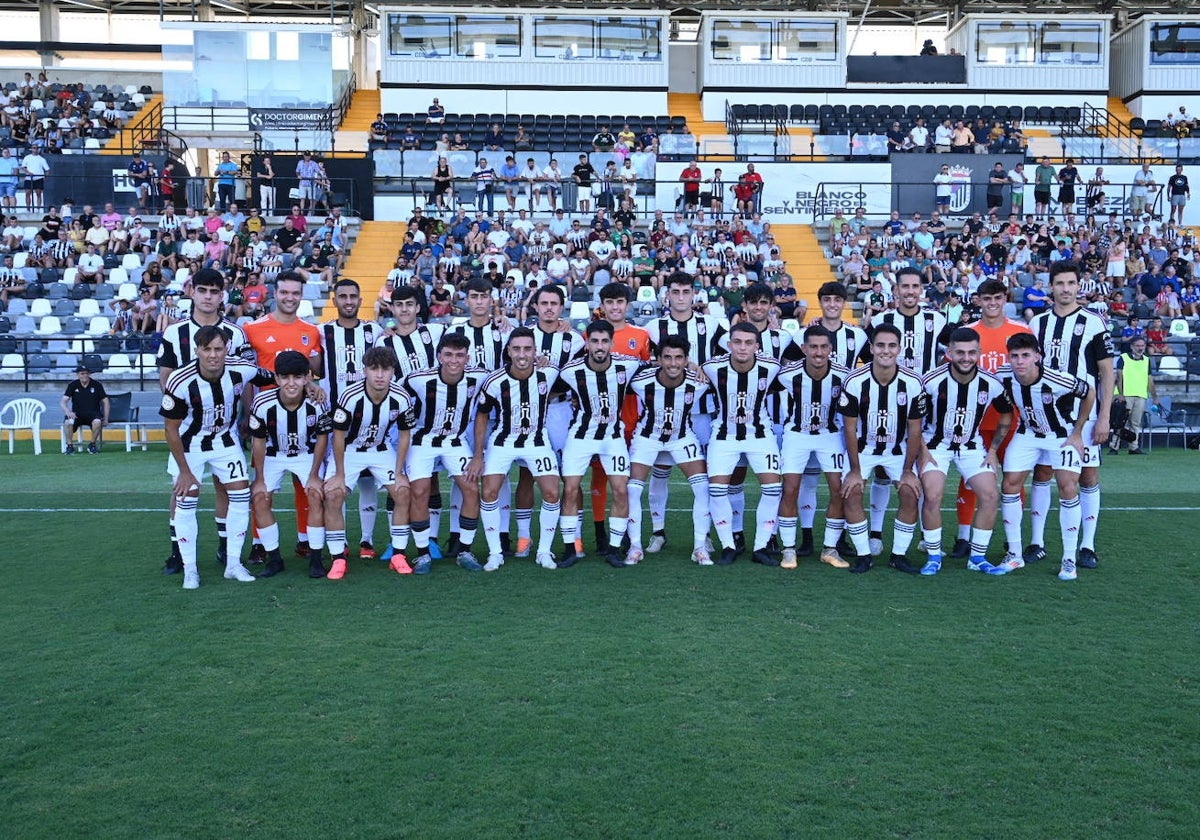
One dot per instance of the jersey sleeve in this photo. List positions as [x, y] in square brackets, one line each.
[167, 357]
[847, 404]
[263, 377]
[172, 407]
[258, 427]
[340, 418]
[920, 406]
[1100, 347]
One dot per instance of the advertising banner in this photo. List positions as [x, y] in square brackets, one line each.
[913, 189]
[287, 119]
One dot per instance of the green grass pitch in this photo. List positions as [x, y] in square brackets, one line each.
[665, 700]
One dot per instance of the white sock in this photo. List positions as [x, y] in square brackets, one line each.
[659, 486]
[569, 525]
[400, 535]
[787, 531]
[187, 529]
[808, 498]
[237, 523]
[881, 493]
[980, 540]
[933, 541]
[616, 530]
[316, 536]
[768, 511]
[269, 534]
[737, 505]
[634, 529]
[368, 508]
[833, 531]
[1089, 506]
[548, 523]
[1039, 510]
[1011, 511]
[722, 515]
[859, 537]
[456, 501]
[467, 526]
[964, 532]
[336, 540]
[701, 510]
[524, 522]
[902, 534]
[1070, 514]
[420, 535]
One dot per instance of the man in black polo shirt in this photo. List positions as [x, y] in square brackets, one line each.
[84, 403]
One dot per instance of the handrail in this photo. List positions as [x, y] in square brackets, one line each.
[149, 133]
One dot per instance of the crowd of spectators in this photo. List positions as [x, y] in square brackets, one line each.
[50, 117]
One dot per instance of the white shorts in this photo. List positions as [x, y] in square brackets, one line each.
[275, 468]
[381, 466]
[1091, 451]
[173, 469]
[558, 423]
[649, 451]
[829, 449]
[540, 460]
[422, 460]
[1026, 451]
[762, 456]
[227, 464]
[892, 466]
[613, 454]
[970, 462]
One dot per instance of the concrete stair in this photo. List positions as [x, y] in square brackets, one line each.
[806, 260]
[372, 257]
[355, 130]
[125, 140]
[1119, 110]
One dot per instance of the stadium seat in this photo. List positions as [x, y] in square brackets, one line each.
[81, 291]
[131, 262]
[306, 312]
[118, 365]
[98, 325]
[39, 307]
[17, 307]
[117, 276]
[38, 363]
[19, 415]
[57, 291]
[1169, 367]
[88, 308]
[103, 291]
[74, 326]
[49, 325]
[1179, 329]
[64, 308]
[127, 291]
[25, 325]
[646, 294]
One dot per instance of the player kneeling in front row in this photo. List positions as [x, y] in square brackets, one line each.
[291, 435]
[1054, 408]
[443, 402]
[882, 406]
[519, 394]
[200, 406]
[813, 431]
[667, 394]
[599, 381]
[362, 424]
[959, 393]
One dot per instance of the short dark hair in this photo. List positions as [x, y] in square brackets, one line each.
[380, 357]
[291, 363]
[207, 335]
[616, 291]
[599, 326]
[680, 278]
[746, 327]
[963, 334]
[889, 329]
[346, 281]
[519, 332]
[1022, 341]
[908, 269]
[1065, 267]
[832, 289]
[454, 341]
[675, 342]
[478, 285]
[758, 291]
[293, 276]
[409, 293]
[209, 278]
[992, 287]
[551, 289]
[818, 331]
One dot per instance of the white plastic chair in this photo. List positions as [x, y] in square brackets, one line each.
[185, 306]
[20, 259]
[12, 366]
[131, 262]
[50, 325]
[791, 325]
[88, 308]
[181, 277]
[1170, 368]
[70, 276]
[645, 294]
[26, 414]
[118, 365]
[98, 325]
[119, 277]
[1179, 329]
[127, 290]
[580, 311]
[306, 310]
[40, 307]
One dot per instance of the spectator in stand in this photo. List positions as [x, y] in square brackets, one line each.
[493, 141]
[307, 173]
[84, 403]
[1156, 342]
[942, 187]
[963, 139]
[145, 312]
[139, 174]
[9, 167]
[1034, 299]
[35, 168]
[226, 174]
[918, 136]
[379, 129]
[435, 113]
[12, 281]
[603, 141]
[943, 137]
[1178, 194]
[1143, 185]
[1043, 177]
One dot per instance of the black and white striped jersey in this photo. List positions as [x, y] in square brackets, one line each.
[813, 401]
[741, 397]
[599, 395]
[922, 335]
[443, 410]
[289, 432]
[367, 423]
[664, 411]
[416, 351]
[177, 346]
[1050, 406]
[519, 405]
[704, 334]
[344, 351]
[956, 408]
[883, 410]
[850, 345]
[557, 348]
[781, 346]
[487, 344]
[1074, 343]
[208, 409]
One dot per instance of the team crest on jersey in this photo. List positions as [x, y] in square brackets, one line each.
[1079, 328]
[774, 341]
[543, 388]
[168, 402]
[762, 384]
[393, 416]
[427, 338]
[620, 377]
[983, 398]
[310, 421]
[902, 399]
[688, 397]
[304, 340]
[255, 423]
[700, 328]
[928, 325]
[1047, 398]
[632, 344]
[849, 341]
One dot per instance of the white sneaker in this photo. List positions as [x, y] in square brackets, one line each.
[494, 562]
[191, 578]
[876, 547]
[633, 557]
[1012, 562]
[656, 544]
[546, 561]
[238, 572]
[1067, 572]
[701, 557]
